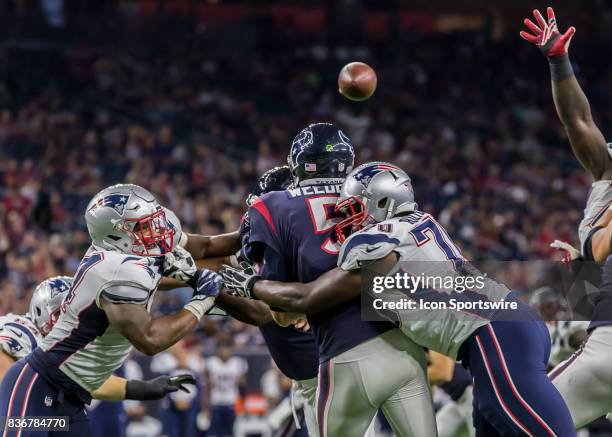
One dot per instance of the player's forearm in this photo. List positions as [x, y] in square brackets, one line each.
[571, 103]
[204, 246]
[574, 112]
[247, 311]
[288, 296]
[113, 389]
[329, 290]
[163, 332]
[148, 335]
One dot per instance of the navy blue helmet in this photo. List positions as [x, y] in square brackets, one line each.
[320, 151]
[275, 179]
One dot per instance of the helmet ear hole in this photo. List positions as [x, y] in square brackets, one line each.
[383, 202]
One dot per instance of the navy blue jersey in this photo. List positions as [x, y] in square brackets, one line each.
[295, 228]
[295, 352]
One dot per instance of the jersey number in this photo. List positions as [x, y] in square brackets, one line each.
[86, 263]
[423, 234]
[323, 220]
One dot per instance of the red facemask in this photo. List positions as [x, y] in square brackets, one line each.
[354, 210]
[152, 232]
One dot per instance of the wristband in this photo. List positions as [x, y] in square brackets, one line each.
[560, 67]
[140, 391]
[200, 307]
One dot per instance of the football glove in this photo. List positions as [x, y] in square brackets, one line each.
[157, 388]
[545, 34]
[240, 280]
[207, 287]
[179, 265]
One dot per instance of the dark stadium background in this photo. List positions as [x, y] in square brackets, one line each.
[195, 99]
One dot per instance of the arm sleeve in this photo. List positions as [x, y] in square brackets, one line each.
[363, 248]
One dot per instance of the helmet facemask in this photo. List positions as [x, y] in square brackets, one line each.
[151, 234]
[355, 212]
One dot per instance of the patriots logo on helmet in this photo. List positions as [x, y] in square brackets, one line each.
[368, 171]
[115, 201]
[58, 286]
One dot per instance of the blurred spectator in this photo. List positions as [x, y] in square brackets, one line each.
[225, 374]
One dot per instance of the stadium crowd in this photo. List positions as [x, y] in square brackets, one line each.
[197, 117]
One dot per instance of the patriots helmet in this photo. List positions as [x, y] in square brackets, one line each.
[127, 218]
[373, 192]
[320, 151]
[275, 179]
[46, 302]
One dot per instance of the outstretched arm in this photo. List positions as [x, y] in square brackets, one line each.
[205, 246]
[246, 311]
[329, 290]
[150, 336]
[588, 143]
[571, 103]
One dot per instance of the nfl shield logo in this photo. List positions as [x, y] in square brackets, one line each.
[48, 401]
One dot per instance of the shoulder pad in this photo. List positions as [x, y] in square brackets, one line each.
[368, 245]
[137, 271]
[131, 274]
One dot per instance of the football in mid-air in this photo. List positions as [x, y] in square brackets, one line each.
[357, 81]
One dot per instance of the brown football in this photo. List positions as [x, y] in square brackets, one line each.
[357, 81]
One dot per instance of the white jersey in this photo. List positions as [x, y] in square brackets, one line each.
[424, 250]
[560, 333]
[598, 202]
[224, 379]
[82, 344]
[18, 336]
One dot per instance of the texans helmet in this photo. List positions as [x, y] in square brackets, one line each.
[275, 179]
[320, 151]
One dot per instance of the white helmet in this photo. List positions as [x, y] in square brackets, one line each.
[372, 193]
[46, 302]
[129, 219]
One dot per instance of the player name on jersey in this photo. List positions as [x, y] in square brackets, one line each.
[311, 190]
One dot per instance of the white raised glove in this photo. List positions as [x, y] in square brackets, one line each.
[571, 252]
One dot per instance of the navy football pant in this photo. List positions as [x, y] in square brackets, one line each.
[108, 419]
[512, 392]
[24, 393]
[222, 421]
